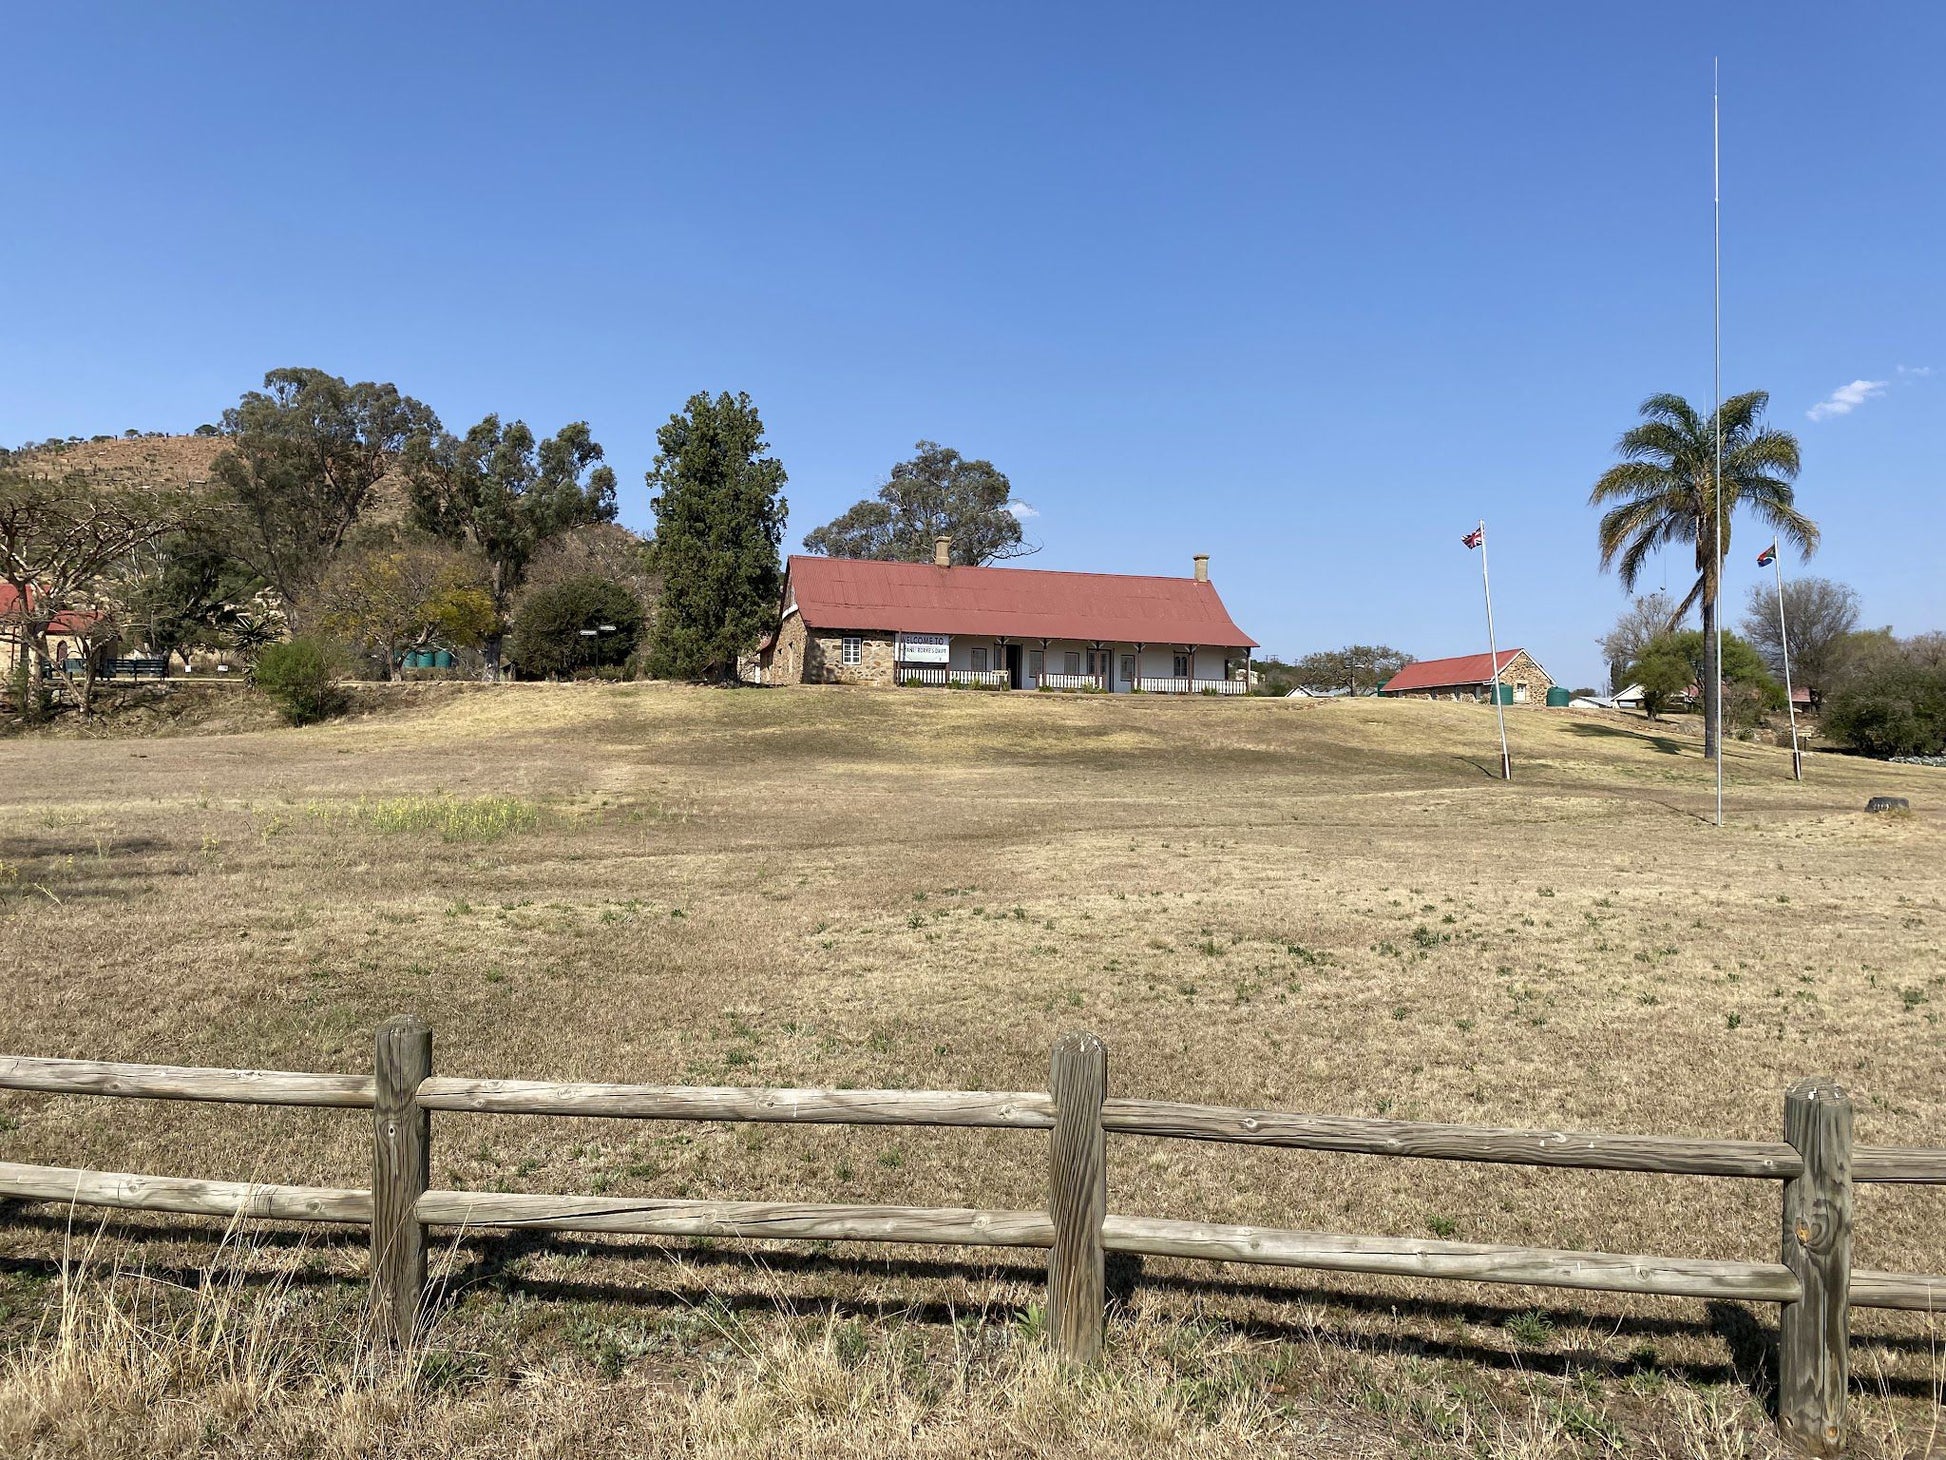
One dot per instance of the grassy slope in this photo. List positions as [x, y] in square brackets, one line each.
[1318, 905]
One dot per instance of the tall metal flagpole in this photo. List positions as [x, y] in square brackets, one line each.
[1493, 657]
[1784, 639]
[1716, 160]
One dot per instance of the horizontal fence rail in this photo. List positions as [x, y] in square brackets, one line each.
[1025, 1111]
[1021, 1110]
[183, 1195]
[963, 1227]
[177, 1082]
[797, 1221]
[1814, 1284]
[1679, 1277]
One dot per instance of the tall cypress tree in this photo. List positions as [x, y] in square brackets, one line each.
[719, 518]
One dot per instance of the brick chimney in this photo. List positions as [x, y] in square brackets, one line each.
[942, 552]
[1202, 567]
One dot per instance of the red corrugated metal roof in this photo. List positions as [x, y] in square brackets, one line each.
[1016, 603]
[1438, 673]
[70, 621]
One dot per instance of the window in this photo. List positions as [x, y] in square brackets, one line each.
[1128, 668]
[1036, 663]
[979, 659]
[851, 650]
[1182, 666]
[1072, 659]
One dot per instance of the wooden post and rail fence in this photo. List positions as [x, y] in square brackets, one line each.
[1816, 1164]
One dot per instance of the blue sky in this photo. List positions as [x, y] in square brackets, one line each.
[1307, 288]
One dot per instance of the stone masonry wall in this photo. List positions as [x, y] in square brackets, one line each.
[824, 661]
[784, 663]
[1523, 670]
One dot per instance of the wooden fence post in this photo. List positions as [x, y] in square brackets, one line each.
[1814, 1333]
[401, 1171]
[1077, 1198]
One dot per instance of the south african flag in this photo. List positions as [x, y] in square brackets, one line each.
[1767, 556]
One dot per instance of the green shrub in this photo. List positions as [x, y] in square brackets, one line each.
[1892, 709]
[589, 622]
[301, 676]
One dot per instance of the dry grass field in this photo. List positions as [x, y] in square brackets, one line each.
[1324, 906]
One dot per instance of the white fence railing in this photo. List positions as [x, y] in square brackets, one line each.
[1169, 684]
[1072, 681]
[934, 674]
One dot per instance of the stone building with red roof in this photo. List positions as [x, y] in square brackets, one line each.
[66, 630]
[852, 621]
[1466, 677]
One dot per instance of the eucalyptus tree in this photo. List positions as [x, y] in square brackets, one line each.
[938, 493]
[506, 493]
[305, 458]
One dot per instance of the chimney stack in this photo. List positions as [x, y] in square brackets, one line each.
[1202, 567]
[942, 552]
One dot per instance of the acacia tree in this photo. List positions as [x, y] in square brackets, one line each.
[1819, 615]
[306, 455]
[1351, 669]
[389, 599]
[1744, 673]
[187, 592]
[58, 541]
[1644, 620]
[506, 494]
[1663, 491]
[938, 493]
[719, 512]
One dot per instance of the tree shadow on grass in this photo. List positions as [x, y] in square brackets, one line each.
[1594, 730]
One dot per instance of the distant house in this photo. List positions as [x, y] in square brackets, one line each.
[1467, 676]
[64, 630]
[852, 621]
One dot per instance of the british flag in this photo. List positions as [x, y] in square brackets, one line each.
[1474, 538]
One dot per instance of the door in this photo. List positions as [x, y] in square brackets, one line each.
[1013, 665]
[1102, 662]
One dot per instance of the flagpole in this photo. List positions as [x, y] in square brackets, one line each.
[1493, 657]
[1784, 640]
[1716, 163]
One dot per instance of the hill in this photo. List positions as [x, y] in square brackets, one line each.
[1327, 906]
[174, 462]
[163, 461]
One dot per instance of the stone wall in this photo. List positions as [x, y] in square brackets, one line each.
[783, 662]
[1524, 671]
[823, 661]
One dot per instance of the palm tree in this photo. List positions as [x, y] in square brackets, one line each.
[1663, 491]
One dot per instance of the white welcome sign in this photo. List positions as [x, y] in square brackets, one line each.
[925, 648]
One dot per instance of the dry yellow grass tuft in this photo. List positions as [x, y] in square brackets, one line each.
[1325, 906]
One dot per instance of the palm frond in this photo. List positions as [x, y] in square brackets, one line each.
[1634, 480]
[1688, 602]
[1669, 407]
[1655, 441]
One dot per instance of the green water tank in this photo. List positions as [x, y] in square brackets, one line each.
[443, 659]
[1557, 698]
[421, 659]
[1506, 694]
